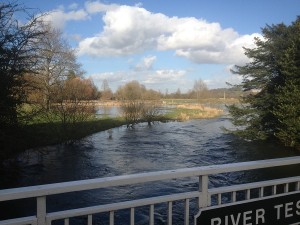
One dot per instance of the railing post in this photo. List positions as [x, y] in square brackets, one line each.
[203, 189]
[41, 210]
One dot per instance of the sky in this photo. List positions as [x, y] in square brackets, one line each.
[166, 44]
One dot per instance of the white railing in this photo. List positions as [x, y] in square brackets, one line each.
[204, 194]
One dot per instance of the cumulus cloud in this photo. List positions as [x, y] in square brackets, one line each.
[127, 30]
[131, 29]
[231, 53]
[146, 63]
[118, 76]
[157, 79]
[98, 7]
[165, 76]
[144, 73]
[59, 17]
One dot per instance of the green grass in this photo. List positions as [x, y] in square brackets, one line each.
[180, 101]
[182, 114]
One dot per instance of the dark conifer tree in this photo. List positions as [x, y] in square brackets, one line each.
[272, 76]
[17, 57]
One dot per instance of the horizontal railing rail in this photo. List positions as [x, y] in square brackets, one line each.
[204, 194]
[32, 220]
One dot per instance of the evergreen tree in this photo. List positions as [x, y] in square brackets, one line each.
[272, 109]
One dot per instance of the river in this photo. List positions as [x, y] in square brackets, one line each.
[162, 146]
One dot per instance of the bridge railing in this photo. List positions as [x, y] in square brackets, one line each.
[204, 194]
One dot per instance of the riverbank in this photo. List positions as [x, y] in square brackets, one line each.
[36, 135]
[39, 134]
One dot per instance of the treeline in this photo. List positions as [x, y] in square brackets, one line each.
[39, 72]
[133, 89]
[209, 93]
[141, 104]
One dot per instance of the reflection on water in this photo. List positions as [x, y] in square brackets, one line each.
[115, 111]
[122, 151]
[108, 111]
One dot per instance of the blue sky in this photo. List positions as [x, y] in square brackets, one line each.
[163, 44]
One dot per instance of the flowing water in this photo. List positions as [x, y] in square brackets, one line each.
[163, 146]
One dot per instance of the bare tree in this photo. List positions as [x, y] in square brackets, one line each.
[132, 90]
[200, 89]
[106, 92]
[57, 61]
[138, 103]
[150, 111]
[72, 100]
[60, 90]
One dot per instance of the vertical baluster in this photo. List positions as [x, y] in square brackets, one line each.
[41, 210]
[151, 221]
[209, 200]
[286, 188]
[66, 221]
[233, 196]
[170, 213]
[261, 192]
[111, 218]
[90, 219]
[203, 189]
[187, 212]
[219, 199]
[132, 216]
[298, 186]
[248, 194]
[274, 190]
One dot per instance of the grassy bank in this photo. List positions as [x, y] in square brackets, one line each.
[201, 101]
[191, 111]
[43, 134]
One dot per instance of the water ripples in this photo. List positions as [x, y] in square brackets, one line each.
[163, 146]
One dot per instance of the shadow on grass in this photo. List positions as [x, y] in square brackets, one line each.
[16, 140]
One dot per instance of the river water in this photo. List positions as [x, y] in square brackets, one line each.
[163, 146]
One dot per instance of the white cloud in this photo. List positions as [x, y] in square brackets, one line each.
[190, 33]
[146, 63]
[75, 37]
[231, 53]
[127, 30]
[110, 76]
[222, 77]
[131, 29]
[73, 6]
[144, 73]
[165, 76]
[146, 77]
[98, 7]
[59, 17]
[139, 4]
